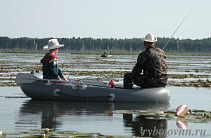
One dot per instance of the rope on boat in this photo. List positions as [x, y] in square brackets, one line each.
[15, 96]
[84, 97]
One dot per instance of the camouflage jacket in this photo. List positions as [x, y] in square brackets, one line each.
[152, 63]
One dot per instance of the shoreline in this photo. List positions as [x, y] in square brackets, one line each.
[100, 52]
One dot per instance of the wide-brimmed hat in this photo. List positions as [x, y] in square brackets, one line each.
[150, 38]
[52, 44]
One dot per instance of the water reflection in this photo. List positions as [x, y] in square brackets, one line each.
[143, 127]
[55, 114]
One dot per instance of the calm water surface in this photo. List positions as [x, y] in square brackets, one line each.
[22, 114]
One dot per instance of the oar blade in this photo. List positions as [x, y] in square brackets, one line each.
[25, 78]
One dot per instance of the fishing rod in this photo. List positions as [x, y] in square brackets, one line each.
[177, 29]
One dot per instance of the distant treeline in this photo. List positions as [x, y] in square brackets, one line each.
[92, 44]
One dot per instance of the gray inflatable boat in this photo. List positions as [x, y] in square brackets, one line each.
[85, 90]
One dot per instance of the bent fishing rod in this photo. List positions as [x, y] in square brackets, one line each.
[177, 29]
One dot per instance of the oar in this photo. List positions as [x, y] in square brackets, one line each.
[23, 78]
[98, 78]
[30, 78]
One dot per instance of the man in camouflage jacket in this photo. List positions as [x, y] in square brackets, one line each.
[150, 69]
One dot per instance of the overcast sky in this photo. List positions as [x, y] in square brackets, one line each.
[105, 18]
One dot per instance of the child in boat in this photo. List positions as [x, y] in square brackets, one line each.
[50, 68]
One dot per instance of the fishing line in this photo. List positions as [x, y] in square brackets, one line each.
[177, 29]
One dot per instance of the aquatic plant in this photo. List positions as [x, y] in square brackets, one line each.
[192, 115]
[41, 133]
[73, 65]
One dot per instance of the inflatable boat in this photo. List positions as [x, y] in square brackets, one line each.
[86, 90]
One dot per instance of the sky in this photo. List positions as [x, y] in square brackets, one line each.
[105, 18]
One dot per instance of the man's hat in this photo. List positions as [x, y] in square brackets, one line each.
[150, 38]
[52, 44]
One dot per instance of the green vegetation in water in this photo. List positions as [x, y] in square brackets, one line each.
[198, 83]
[9, 70]
[46, 133]
[101, 51]
[187, 54]
[194, 116]
[9, 84]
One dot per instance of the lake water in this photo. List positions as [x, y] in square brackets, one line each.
[21, 114]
